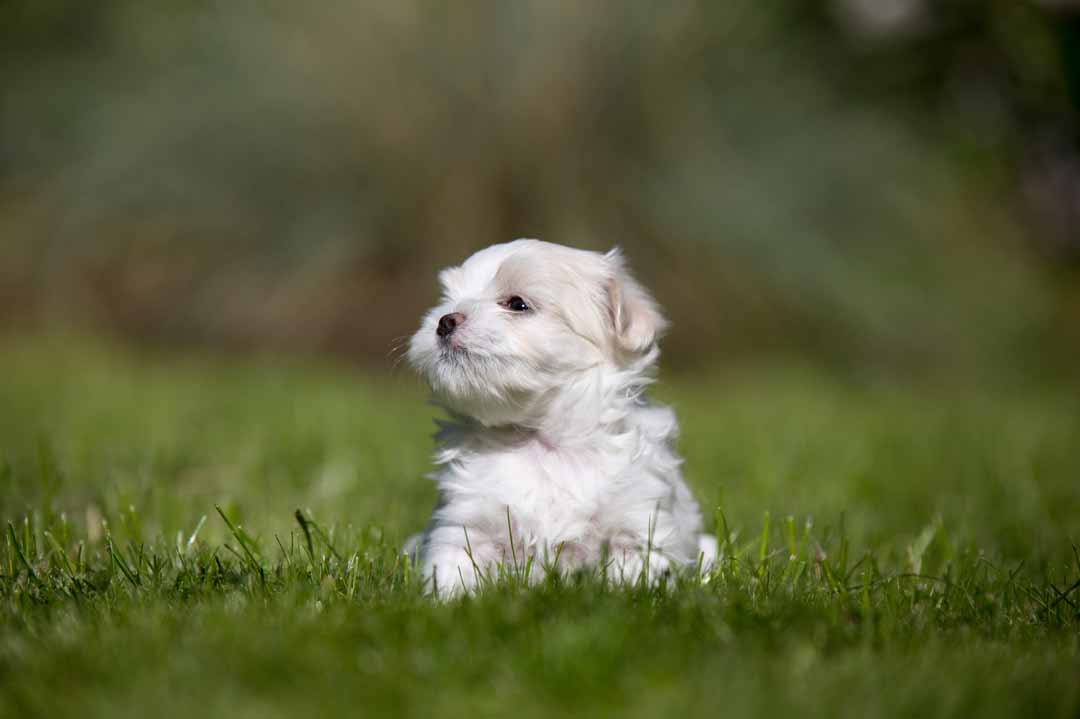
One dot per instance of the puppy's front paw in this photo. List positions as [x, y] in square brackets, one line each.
[629, 565]
[707, 552]
[450, 570]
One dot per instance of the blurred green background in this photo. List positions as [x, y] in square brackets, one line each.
[874, 185]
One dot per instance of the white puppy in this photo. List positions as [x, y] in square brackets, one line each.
[541, 354]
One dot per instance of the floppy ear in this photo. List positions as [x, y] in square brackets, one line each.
[634, 313]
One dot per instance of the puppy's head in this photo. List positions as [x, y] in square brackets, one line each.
[522, 321]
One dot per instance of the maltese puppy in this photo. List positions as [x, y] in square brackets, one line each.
[552, 456]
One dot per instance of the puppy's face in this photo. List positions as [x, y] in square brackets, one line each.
[520, 322]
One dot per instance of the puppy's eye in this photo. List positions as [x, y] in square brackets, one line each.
[516, 304]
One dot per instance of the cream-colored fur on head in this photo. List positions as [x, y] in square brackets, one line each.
[541, 353]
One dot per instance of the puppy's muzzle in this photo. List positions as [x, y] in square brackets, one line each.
[448, 323]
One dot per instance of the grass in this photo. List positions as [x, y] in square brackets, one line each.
[888, 551]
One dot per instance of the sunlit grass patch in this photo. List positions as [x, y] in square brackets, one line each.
[218, 538]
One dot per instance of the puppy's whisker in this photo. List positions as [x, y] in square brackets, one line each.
[399, 350]
[397, 343]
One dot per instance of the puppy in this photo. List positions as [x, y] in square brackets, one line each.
[540, 354]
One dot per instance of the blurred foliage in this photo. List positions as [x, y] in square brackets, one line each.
[871, 184]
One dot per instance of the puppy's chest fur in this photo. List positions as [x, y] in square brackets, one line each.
[582, 493]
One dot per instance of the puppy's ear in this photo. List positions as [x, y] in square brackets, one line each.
[635, 316]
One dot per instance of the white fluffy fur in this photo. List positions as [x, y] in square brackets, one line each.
[551, 440]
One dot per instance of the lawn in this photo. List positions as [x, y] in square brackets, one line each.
[889, 550]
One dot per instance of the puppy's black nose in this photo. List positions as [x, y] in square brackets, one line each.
[448, 323]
